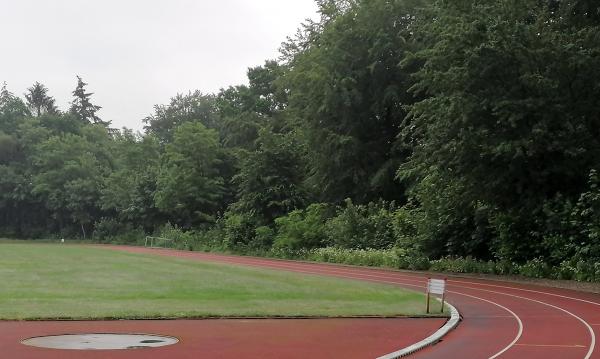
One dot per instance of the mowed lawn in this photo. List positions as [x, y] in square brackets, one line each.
[50, 281]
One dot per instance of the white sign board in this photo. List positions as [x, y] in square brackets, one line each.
[436, 286]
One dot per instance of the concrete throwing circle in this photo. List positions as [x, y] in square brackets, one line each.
[100, 341]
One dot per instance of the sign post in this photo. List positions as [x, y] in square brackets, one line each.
[436, 286]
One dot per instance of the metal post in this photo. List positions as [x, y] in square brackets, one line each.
[444, 294]
[443, 300]
[428, 279]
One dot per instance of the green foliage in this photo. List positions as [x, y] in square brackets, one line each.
[189, 185]
[181, 239]
[239, 231]
[368, 226]
[479, 119]
[586, 220]
[535, 268]
[264, 237]
[12, 110]
[349, 96]
[303, 229]
[38, 100]
[270, 180]
[501, 129]
[70, 172]
[245, 110]
[129, 189]
[193, 107]
[8, 148]
[362, 257]
[82, 108]
[111, 230]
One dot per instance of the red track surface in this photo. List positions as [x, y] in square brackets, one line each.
[220, 339]
[501, 320]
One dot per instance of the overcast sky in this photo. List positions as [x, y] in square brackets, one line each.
[137, 53]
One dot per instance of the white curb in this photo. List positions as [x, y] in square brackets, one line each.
[432, 339]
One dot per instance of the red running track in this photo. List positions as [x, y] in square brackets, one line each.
[230, 339]
[500, 320]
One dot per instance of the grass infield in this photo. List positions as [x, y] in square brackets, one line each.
[50, 281]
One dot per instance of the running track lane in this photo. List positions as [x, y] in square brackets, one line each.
[229, 338]
[500, 320]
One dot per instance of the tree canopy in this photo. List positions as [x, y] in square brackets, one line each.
[439, 128]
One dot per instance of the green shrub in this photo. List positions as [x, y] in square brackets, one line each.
[412, 260]
[208, 241]
[107, 228]
[361, 257]
[566, 270]
[181, 239]
[363, 226]
[462, 265]
[302, 228]
[406, 227]
[239, 230]
[586, 220]
[587, 271]
[110, 230]
[505, 267]
[264, 236]
[535, 268]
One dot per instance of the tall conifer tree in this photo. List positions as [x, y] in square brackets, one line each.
[82, 107]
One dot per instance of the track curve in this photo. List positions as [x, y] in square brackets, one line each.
[500, 319]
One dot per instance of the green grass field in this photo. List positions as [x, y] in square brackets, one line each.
[49, 281]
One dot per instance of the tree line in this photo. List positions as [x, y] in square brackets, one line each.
[442, 128]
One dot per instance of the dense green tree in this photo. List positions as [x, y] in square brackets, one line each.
[189, 186]
[270, 181]
[61, 124]
[501, 123]
[244, 110]
[12, 110]
[348, 94]
[70, 171]
[129, 190]
[38, 100]
[8, 148]
[479, 118]
[193, 107]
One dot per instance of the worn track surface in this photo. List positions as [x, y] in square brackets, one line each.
[500, 319]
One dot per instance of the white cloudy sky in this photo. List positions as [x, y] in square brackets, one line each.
[137, 53]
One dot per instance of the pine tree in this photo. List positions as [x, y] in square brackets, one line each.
[38, 100]
[5, 95]
[81, 106]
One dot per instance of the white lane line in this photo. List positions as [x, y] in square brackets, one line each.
[526, 290]
[404, 274]
[324, 271]
[519, 333]
[394, 274]
[514, 315]
[552, 345]
[590, 330]
[450, 281]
